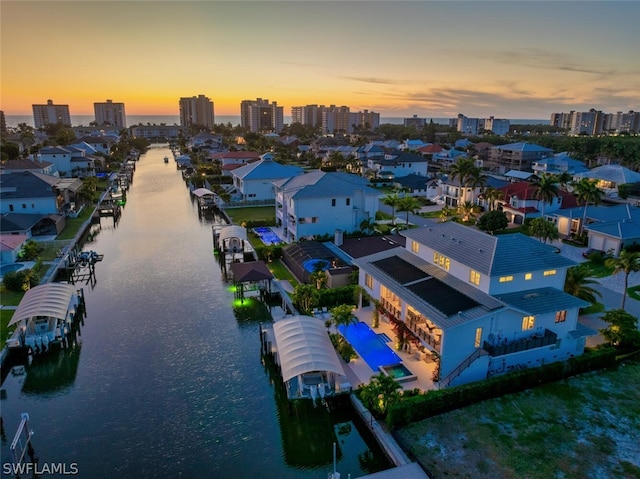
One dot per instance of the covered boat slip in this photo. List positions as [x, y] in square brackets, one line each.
[308, 361]
[44, 315]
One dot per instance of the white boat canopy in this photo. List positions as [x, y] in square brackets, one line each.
[233, 231]
[50, 300]
[200, 192]
[304, 346]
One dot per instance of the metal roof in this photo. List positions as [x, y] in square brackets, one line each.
[304, 346]
[51, 300]
[488, 254]
[541, 300]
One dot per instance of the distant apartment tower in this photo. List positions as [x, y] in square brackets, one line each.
[561, 120]
[367, 120]
[467, 126]
[497, 126]
[336, 119]
[51, 114]
[196, 111]
[260, 116]
[110, 113]
[622, 122]
[309, 115]
[587, 123]
[415, 122]
[3, 122]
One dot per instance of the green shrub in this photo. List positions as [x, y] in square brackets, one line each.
[20, 280]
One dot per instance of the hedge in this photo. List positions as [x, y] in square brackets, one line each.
[435, 402]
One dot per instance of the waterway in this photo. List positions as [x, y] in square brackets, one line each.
[164, 380]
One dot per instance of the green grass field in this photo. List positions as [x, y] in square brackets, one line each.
[587, 426]
[281, 272]
[5, 317]
[74, 224]
[252, 213]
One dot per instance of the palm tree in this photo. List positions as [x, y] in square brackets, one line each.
[381, 391]
[546, 191]
[408, 204]
[543, 230]
[445, 213]
[467, 210]
[392, 200]
[305, 297]
[563, 179]
[491, 195]
[577, 283]
[368, 225]
[626, 263]
[463, 170]
[342, 315]
[587, 192]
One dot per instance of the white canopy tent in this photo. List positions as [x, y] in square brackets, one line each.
[51, 300]
[304, 346]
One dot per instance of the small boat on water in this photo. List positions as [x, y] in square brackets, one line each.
[166, 159]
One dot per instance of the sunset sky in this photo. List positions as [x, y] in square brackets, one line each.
[510, 59]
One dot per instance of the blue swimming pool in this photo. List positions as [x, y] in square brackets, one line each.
[267, 236]
[369, 345]
[6, 268]
[316, 264]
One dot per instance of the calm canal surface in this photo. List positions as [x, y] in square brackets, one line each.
[165, 381]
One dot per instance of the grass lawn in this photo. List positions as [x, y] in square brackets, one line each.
[431, 214]
[266, 214]
[281, 272]
[5, 317]
[10, 298]
[587, 426]
[597, 270]
[74, 224]
[592, 309]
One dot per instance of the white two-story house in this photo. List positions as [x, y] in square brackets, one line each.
[68, 161]
[319, 203]
[484, 304]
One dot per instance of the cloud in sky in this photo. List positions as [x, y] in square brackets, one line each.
[431, 58]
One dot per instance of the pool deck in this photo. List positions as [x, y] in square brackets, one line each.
[358, 371]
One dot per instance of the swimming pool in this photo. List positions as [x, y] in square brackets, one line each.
[316, 264]
[6, 268]
[369, 345]
[399, 372]
[267, 236]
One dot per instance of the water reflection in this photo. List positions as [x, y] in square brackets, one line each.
[52, 373]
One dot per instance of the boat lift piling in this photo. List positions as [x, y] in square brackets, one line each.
[19, 448]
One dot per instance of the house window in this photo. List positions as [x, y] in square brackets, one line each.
[441, 260]
[415, 246]
[506, 279]
[348, 201]
[314, 219]
[561, 316]
[368, 281]
[474, 277]
[24, 206]
[528, 322]
[478, 338]
[10, 207]
[528, 276]
[549, 272]
[333, 202]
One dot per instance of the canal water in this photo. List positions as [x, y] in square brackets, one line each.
[164, 380]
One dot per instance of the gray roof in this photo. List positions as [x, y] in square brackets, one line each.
[321, 184]
[18, 221]
[484, 303]
[602, 213]
[615, 173]
[522, 146]
[541, 300]
[490, 255]
[27, 184]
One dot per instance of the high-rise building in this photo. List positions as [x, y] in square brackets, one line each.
[561, 120]
[51, 114]
[260, 116]
[309, 115]
[3, 122]
[196, 111]
[497, 126]
[587, 122]
[415, 122]
[595, 122]
[110, 113]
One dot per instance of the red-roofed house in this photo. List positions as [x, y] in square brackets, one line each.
[429, 150]
[520, 202]
[10, 246]
[230, 160]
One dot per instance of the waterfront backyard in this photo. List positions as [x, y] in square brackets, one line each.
[583, 427]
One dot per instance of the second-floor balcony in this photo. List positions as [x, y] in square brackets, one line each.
[536, 340]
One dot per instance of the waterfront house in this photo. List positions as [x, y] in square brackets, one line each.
[319, 203]
[481, 304]
[230, 160]
[397, 164]
[254, 181]
[557, 164]
[454, 193]
[35, 193]
[68, 161]
[23, 164]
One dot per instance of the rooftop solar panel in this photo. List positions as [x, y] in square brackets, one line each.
[400, 270]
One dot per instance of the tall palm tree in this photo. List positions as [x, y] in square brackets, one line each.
[491, 195]
[342, 315]
[467, 210]
[392, 200]
[408, 204]
[587, 192]
[626, 263]
[563, 179]
[577, 283]
[368, 225]
[462, 169]
[546, 191]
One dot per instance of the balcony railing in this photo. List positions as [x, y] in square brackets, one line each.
[525, 344]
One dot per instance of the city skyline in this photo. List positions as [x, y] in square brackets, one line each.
[425, 58]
